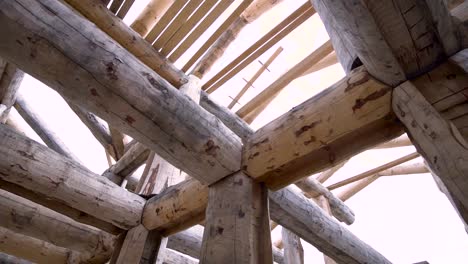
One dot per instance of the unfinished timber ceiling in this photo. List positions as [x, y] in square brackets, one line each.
[317, 106]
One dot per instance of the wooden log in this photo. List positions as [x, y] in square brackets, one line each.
[437, 139]
[10, 81]
[364, 41]
[125, 166]
[8, 259]
[325, 205]
[133, 246]
[176, 208]
[445, 26]
[22, 216]
[150, 16]
[117, 142]
[217, 49]
[237, 222]
[59, 207]
[374, 171]
[293, 251]
[313, 188]
[98, 13]
[39, 169]
[156, 31]
[125, 8]
[328, 61]
[35, 250]
[306, 219]
[171, 256]
[262, 100]
[402, 141]
[205, 148]
[149, 56]
[42, 129]
[343, 120]
[398, 170]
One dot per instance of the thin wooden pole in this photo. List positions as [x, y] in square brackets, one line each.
[262, 69]
[374, 171]
[150, 16]
[165, 20]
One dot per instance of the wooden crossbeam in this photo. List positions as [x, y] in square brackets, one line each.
[39, 169]
[103, 88]
[343, 120]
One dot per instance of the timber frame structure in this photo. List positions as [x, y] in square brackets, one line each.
[406, 63]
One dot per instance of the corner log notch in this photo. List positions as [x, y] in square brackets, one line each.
[345, 119]
[153, 112]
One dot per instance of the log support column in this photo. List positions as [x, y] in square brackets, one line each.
[237, 228]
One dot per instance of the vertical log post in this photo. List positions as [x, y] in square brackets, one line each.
[293, 251]
[237, 222]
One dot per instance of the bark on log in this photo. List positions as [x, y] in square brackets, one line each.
[10, 81]
[39, 169]
[22, 216]
[308, 221]
[35, 250]
[200, 145]
[237, 222]
[313, 188]
[343, 120]
[39, 126]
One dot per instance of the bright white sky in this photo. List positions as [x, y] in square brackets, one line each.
[406, 218]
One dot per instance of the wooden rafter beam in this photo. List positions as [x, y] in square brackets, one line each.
[10, 81]
[205, 148]
[150, 15]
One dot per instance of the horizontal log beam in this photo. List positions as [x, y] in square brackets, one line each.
[349, 117]
[41, 170]
[183, 205]
[22, 216]
[35, 250]
[153, 112]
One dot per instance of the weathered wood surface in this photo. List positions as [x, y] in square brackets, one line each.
[437, 139]
[150, 16]
[189, 242]
[237, 222]
[293, 251]
[22, 216]
[36, 250]
[39, 169]
[133, 247]
[197, 143]
[127, 164]
[10, 81]
[313, 188]
[361, 36]
[129, 39]
[343, 120]
[395, 40]
[171, 257]
[306, 219]
[325, 205]
[39, 125]
[176, 208]
[59, 207]
[445, 26]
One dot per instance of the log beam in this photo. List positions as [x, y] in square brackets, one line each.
[201, 145]
[41, 170]
[349, 117]
[293, 251]
[237, 222]
[10, 81]
[22, 216]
